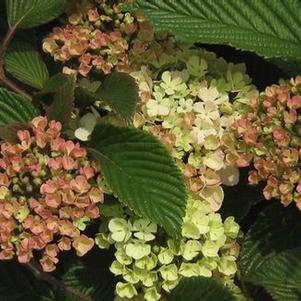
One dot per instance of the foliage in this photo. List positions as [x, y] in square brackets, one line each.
[266, 27]
[199, 289]
[15, 108]
[63, 99]
[31, 13]
[269, 251]
[122, 100]
[24, 63]
[164, 126]
[144, 166]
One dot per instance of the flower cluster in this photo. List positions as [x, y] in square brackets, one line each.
[96, 36]
[268, 136]
[189, 105]
[48, 194]
[151, 265]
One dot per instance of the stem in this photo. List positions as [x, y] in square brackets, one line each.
[6, 81]
[39, 274]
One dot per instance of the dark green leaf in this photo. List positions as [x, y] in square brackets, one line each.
[17, 284]
[24, 63]
[9, 132]
[62, 88]
[31, 13]
[280, 275]
[15, 108]
[85, 92]
[142, 174]
[267, 27]
[120, 92]
[91, 276]
[200, 289]
[276, 229]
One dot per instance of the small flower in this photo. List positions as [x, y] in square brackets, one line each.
[171, 85]
[144, 229]
[210, 249]
[211, 95]
[151, 294]
[126, 290]
[214, 196]
[80, 184]
[121, 229]
[190, 270]
[191, 249]
[82, 244]
[169, 272]
[87, 125]
[165, 256]
[137, 249]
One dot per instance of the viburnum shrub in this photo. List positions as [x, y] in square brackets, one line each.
[48, 195]
[126, 138]
[268, 138]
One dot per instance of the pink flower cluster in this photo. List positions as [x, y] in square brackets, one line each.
[48, 192]
[96, 37]
[269, 137]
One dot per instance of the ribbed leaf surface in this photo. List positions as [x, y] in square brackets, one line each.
[24, 63]
[91, 276]
[142, 174]
[61, 88]
[15, 108]
[267, 256]
[200, 289]
[276, 229]
[120, 92]
[31, 13]
[268, 27]
[280, 275]
[17, 284]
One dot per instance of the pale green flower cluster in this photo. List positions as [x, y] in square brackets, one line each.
[189, 104]
[150, 264]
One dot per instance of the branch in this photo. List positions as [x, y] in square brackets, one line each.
[39, 274]
[6, 81]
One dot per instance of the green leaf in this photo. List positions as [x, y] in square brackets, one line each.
[91, 276]
[269, 28]
[200, 289]
[15, 108]
[276, 229]
[25, 63]
[9, 132]
[62, 88]
[120, 92]
[85, 92]
[17, 284]
[280, 275]
[142, 174]
[31, 13]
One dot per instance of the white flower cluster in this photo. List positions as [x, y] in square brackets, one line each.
[189, 105]
[151, 264]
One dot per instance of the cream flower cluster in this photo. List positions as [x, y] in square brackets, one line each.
[189, 100]
[151, 264]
